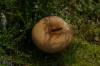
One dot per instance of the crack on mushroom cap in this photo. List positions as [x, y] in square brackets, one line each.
[57, 29]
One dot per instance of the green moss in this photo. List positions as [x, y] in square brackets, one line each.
[84, 16]
[81, 53]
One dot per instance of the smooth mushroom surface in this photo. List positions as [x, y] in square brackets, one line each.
[52, 34]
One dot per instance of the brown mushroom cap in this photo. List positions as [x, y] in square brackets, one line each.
[52, 34]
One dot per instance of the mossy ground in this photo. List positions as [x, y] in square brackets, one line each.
[79, 53]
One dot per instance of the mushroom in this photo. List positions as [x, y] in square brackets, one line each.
[52, 34]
